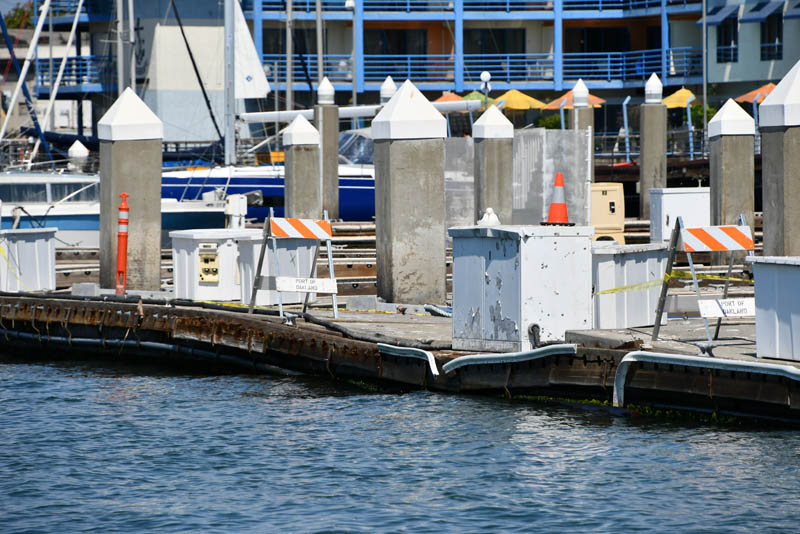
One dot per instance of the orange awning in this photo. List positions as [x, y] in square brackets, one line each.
[594, 101]
[448, 97]
[748, 98]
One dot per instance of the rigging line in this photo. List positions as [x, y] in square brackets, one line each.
[194, 66]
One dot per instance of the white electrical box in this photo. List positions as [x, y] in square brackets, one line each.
[513, 283]
[666, 205]
[628, 278]
[777, 285]
[205, 263]
[296, 259]
[28, 260]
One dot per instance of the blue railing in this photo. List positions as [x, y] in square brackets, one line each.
[728, 53]
[80, 70]
[91, 7]
[509, 67]
[636, 65]
[422, 68]
[410, 6]
[771, 51]
[685, 61]
[337, 67]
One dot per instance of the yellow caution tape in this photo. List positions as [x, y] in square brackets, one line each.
[674, 274]
[10, 266]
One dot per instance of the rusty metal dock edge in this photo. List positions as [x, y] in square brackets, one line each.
[233, 341]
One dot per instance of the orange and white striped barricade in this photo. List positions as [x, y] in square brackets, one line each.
[276, 228]
[709, 239]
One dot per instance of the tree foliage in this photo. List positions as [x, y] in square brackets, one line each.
[20, 16]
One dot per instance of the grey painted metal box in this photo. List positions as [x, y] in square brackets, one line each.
[666, 204]
[28, 262]
[777, 285]
[618, 267]
[506, 279]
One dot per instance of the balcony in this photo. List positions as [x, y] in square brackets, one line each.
[82, 74]
[63, 12]
[521, 71]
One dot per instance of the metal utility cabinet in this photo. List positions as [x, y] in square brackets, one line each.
[666, 205]
[28, 260]
[205, 263]
[777, 286]
[513, 283]
[622, 268]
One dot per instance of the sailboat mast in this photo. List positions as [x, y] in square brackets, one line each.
[120, 55]
[230, 110]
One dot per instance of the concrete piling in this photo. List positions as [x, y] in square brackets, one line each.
[303, 187]
[731, 134]
[653, 158]
[130, 161]
[388, 89]
[494, 172]
[779, 118]
[409, 199]
[582, 115]
[326, 115]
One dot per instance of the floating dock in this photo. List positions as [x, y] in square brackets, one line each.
[410, 351]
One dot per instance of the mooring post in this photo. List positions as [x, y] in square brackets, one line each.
[731, 161]
[130, 160]
[409, 199]
[302, 184]
[326, 116]
[582, 115]
[779, 121]
[652, 144]
[493, 164]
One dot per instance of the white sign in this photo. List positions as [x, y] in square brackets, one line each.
[305, 285]
[744, 307]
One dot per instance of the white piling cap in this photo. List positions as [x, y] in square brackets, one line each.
[731, 119]
[325, 92]
[77, 150]
[409, 115]
[300, 132]
[782, 105]
[493, 125]
[580, 95]
[129, 119]
[388, 89]
[653, 90]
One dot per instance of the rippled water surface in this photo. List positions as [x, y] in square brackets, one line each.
[102, 447]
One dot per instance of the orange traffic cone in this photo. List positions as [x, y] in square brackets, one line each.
[558, 206]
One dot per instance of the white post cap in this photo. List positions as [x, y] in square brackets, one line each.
[782, 105]
[77, 150]
[409, 115]
[653, 90]
[300, 132]
[129, 119]
[731, 119]
[325, 92]
[580, 95]
[388, 89]
[493, 125]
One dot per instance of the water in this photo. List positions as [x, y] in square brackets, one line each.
[107, 447]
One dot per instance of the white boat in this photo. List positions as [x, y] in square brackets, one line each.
[71, 203]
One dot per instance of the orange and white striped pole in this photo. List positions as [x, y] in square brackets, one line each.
[122, 245]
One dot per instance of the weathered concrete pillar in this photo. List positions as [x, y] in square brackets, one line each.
[130, 162]
[326, 115]
[409, 199]
[653, 144]
[582, 114]
[732, 134]
[388, 89]
[494, 164]
[302, 183]
[779, 118]
[731, 160]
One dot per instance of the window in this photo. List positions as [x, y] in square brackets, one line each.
[728, 41]
[772, 37]
[303, 41]
[494, 41]
[396, 42]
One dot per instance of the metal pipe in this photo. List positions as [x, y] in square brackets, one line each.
[705, 69]
[229, 89]
[289, 54]
[627, 133]
[561, 111]
[691, 128]
[320, 51]
[785, 371]
[567, 349]
[25, 66]
[347, 112]
[120, 56]
[132, 42]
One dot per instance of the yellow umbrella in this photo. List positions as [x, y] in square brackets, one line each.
[517, 100]
[678, 99]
